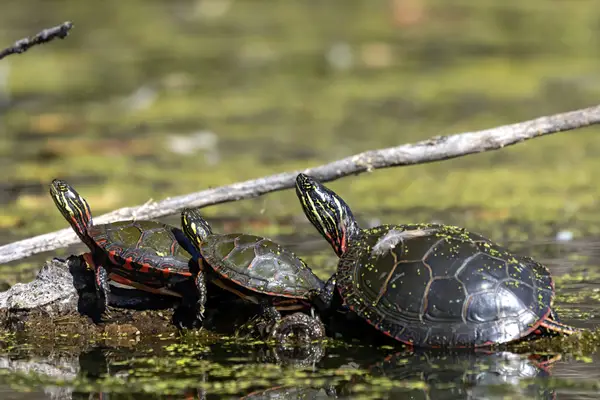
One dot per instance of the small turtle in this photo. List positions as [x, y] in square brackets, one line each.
[146, 255]
[253, 267]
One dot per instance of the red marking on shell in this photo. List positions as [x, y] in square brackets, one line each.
[89, 260]
[120, 279]
[115, 259]
[524, 334]
[112, 258]
[144, 268]
[239, 283]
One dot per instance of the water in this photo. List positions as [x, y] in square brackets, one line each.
[447, 376]
[153, 99]
[193, 366]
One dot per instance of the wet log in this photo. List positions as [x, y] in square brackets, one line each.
[60, 302]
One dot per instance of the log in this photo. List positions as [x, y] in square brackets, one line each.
[47, 35]
[433, 149]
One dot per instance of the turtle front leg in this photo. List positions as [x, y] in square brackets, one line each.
[271, 317]
[268, 311]
[271, 313]
[323, 299]
[200, 283]
[102, 288]
[262, 324]
[268, 315]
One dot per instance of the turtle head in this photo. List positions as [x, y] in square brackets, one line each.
[328, 213]
[73, 207]
[194, 226]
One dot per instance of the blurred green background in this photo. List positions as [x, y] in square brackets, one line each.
[155, 98]
[150, 99]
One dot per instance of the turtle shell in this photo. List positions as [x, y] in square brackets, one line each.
[441, 286]
[148, 252]
[260, 265]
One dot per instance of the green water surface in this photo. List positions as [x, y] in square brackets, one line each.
[150, 99]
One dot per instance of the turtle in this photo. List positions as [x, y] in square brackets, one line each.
[147, 255]
[255, 268]
[430, 285]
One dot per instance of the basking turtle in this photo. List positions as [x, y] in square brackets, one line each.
[253, 267]
[430, 285]
[147, 255]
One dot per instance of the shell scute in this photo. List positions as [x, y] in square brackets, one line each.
[260, 265]
[148, 252]
[444, 301]
[440, 285]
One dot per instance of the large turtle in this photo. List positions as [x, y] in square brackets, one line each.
[430, 285]
[147, 255]
[253, 267]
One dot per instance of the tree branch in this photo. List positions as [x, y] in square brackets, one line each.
[434, 149]
[60, 31]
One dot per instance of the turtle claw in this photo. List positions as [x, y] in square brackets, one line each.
[185, 318]
[111, 309]
[262, 324]
[271, 313]
[298, 328]
[200, 309]
[107, 314]
[200, 316]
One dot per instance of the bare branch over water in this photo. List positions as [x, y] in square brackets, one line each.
[434, 149]
[20, 46]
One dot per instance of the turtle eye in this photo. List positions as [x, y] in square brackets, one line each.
[59, 185]
[304, 182]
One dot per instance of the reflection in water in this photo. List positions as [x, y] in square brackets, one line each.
[267, 373]
[279, 99]
[464, 375]
[51, 368]
[289, 392]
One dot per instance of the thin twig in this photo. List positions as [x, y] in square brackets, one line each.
[60, 31]
[434, 149]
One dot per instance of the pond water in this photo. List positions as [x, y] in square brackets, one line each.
[192, 366]
[150, 99]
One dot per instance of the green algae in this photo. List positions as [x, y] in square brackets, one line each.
[193, 95]
[263, 87]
